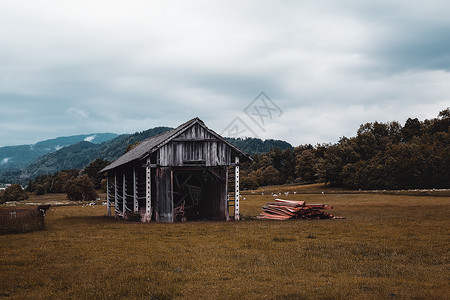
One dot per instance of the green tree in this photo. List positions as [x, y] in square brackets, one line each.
[335, 157]
[15, 193]
[306, 164]
[387, 156]
[257, 176]
[271, 176]
[40, 190]
[442, 123]
[59, 182]
[248, 183]
[412, 128]
[92, 171]
[287, 170]
[81, 189]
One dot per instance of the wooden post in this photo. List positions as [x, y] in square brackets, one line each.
[124, 195]
[171, 194]
[148, 193]
[116, 194]
[135, 192]
[108, 197]
[227, 196]
[236, 189]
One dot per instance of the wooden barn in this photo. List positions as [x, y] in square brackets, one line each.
[187, 173]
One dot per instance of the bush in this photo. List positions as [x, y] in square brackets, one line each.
[15, 193]
[248, 183]
[81, 189]
[40, 190]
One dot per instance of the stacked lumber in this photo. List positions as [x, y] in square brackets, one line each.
[288, 209]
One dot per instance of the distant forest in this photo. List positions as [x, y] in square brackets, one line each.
[380, 156]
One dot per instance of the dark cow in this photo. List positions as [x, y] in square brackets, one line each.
[43, 208]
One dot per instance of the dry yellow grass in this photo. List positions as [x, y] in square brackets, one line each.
[388, 247]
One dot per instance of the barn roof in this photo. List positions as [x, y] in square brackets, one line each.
[152, 144]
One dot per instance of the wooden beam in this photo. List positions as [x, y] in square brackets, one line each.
[194, 163]
[108, 198]
[116, 194]
[135, 192]
[124, 195]
[195, 140]
[148, 193]
[171, 191]
[227, 195]
[236, 189]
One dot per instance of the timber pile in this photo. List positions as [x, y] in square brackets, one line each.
[287, 209]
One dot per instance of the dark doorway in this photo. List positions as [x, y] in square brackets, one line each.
[198, 194]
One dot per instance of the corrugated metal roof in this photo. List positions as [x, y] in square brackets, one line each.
[152, 144]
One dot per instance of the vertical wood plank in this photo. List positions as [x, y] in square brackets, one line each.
[116, 194]
[135, 192]
[124, 195]
[108, 197]
[148, 193]
[227, 196]
[236, 189]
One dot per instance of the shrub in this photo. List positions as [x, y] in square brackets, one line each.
[248, 183]
[81, 189]
[40, 190]
[15, 193]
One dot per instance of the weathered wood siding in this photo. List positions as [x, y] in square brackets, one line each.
[164, 195]
[213, 205]
[195, 144]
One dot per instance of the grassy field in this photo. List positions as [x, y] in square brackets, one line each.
[389, 247]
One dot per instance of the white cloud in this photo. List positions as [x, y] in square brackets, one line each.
[77, 112]
[89, 138]
[5, 160]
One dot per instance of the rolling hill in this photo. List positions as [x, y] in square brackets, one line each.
[18, 157]
[81, 150]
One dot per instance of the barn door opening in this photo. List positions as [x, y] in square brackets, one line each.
[188, 187]
[197, 194]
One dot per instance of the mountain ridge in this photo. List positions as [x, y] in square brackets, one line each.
[17, 157]
[79, 155]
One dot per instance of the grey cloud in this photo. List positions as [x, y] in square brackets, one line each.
[128, 67]
[416, 47]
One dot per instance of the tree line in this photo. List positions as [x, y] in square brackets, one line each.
[80, 185]
[380, 156]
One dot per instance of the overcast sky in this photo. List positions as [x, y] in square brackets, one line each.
[73, 67]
